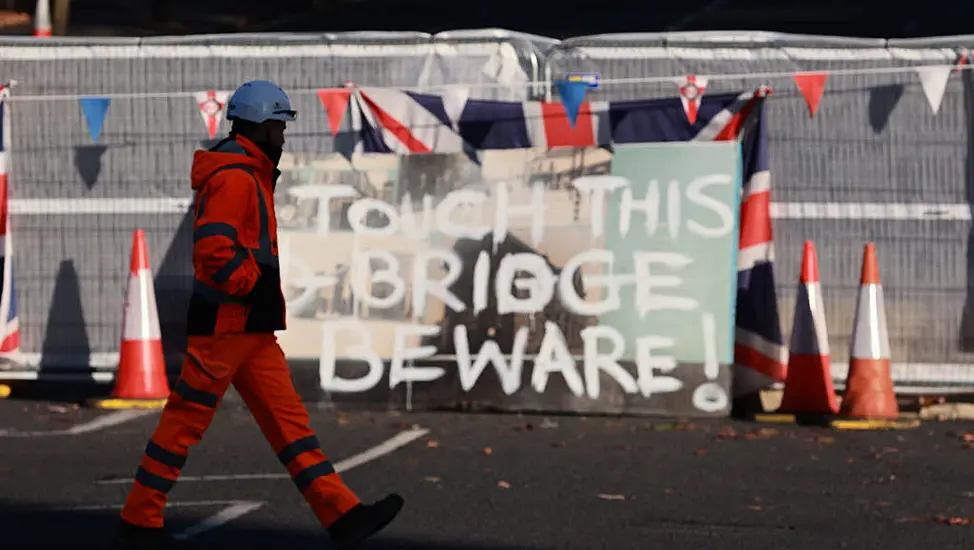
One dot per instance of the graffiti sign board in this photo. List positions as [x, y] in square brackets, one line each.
[566, 279]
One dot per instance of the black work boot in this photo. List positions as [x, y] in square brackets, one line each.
[363, 521]
[134, 537]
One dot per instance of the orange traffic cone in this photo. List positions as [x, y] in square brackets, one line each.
[140, 381]
[869, 391]
[808, 386]
[42, 19]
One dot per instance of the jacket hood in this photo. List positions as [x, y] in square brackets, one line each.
[237, 150]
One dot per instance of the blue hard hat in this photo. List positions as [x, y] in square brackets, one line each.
[260, 100]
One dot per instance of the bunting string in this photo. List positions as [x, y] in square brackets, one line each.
[492, 85]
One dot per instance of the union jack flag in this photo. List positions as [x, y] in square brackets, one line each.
[378, 120]
[9, 323]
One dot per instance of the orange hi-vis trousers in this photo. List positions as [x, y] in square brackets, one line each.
[256, 366]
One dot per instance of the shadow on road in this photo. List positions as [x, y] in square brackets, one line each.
[24, 526]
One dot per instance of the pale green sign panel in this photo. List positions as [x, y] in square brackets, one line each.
[672, 222]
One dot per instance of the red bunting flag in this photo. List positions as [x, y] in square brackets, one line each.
[691, 92]
[335, 102]
[811, 86]
[963, 58]
[211, 105]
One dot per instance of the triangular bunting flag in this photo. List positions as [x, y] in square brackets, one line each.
[811, 86]
[933, 80]
[454, 101]
[94, 110]
[211, 105]
[572, 95]
[882, 101]
[963, 58]
[335, 102]
[691, 92]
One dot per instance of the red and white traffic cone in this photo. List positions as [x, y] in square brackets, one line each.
[808, 386]
[140, 381]
[869, 390]
[42, 19]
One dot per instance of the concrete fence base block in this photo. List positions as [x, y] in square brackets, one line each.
[948, 411]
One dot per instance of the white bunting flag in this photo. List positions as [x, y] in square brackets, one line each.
[933, 80]
[454, 100]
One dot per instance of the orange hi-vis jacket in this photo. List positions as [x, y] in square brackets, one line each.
[238, 277]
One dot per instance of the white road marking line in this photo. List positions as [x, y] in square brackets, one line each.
[83, 374]
[387, 447]
[235, 509]
[396, 442]
[108, 420]
[220, 518]
[103, 507]
[100, 423]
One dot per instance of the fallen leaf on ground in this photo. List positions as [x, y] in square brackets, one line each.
[677, 426]
[523, 428]
[608, 496]
[953, 520]
[432, 443]
[700, 452]
[488, 450]
[730, 433]
[431, 479]
[669, 491]
[503, 485]
[342, 420]
[943, 520]
[882, 503]
[823, 439]
[754, 507]
[558, 444]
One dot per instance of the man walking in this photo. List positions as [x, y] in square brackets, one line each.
[236, 306]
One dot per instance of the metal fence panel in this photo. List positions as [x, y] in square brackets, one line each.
[874, 139]
[72, 275]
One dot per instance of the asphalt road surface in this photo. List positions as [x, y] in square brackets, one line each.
[483, 482]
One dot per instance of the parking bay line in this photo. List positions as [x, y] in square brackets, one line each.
[386, 447]
[100, 423]
[235, 509]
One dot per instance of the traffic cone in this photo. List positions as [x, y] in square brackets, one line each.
[808, 386]
[140, 381]
[42, 19]
[869, 391]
